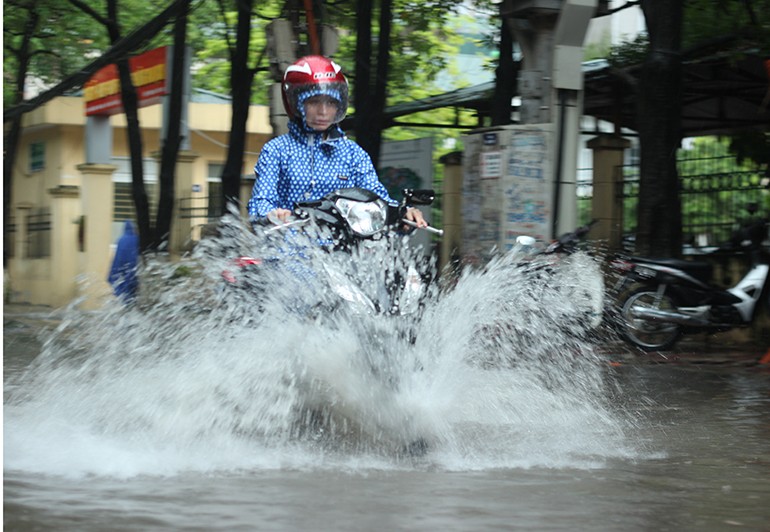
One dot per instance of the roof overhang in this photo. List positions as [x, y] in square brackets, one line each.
[721, 93]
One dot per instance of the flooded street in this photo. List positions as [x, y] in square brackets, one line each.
[703, 438]
[129, 419]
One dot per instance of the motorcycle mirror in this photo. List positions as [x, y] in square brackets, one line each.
[526, 240]
[419, 196]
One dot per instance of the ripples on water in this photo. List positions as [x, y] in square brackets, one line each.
[494, 374]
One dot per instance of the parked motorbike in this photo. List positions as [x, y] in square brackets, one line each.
[582, 297]
[659, 300]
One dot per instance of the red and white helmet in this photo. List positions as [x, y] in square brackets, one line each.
[313, 75]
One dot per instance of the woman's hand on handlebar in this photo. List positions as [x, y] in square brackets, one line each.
[279, 216]
[413, 214]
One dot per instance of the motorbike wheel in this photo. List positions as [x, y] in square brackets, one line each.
[648, 335]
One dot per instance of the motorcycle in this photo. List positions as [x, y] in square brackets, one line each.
[659, 300]
[352, 221]
[343, 259]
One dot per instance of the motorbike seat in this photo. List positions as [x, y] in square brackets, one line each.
[701, 270]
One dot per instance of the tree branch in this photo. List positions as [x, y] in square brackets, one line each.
[628, 4]
[88, 10]
[119, 50]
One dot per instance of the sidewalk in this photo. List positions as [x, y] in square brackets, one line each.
[716, 349]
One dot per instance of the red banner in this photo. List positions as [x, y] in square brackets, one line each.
[148, 72]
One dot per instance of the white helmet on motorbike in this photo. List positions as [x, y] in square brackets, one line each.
[314, 75]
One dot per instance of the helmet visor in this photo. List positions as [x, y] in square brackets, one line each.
[299, 94]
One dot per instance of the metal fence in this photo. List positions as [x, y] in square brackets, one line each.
[716, 195]
[9, 235]
[201, 207]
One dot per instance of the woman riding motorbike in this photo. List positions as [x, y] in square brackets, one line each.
[314, 157]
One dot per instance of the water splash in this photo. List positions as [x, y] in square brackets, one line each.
[278, 371]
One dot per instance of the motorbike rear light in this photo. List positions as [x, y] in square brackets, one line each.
[239, 263]
[242, 262]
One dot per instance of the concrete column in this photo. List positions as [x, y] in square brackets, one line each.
[607, 203]
[65, 243]
[97, 197]
[451, 199]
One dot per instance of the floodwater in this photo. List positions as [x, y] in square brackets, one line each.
[203, 410]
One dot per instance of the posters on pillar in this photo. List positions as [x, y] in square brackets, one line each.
[507, 189]
[527, 185]
[481, 201]
[491, 164]
[408, 164]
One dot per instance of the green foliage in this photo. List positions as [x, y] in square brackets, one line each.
[706, 19]
[629, 53]
[600, 49]
[426, 39]
[67, 37]
[62, 41]
[212, 36]
[752, 146]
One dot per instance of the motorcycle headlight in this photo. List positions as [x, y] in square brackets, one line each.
[364, 218]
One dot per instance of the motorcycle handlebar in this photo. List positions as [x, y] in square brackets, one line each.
[430, 229]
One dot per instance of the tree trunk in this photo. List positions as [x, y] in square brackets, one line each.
[370, 116]
[241, 80]
[659, 215]
[138, 193]
[130, 108]
[505, 78]
[170, 150]
[363, 69]
[11, 139]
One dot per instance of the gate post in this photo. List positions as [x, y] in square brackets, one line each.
[65, 246]
[98, 196]
[181, 228]
[451, 196]
[607, 203]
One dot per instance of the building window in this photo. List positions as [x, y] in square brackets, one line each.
[39, 234]
[36, 156]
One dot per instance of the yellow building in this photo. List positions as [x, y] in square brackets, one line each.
[66, 215]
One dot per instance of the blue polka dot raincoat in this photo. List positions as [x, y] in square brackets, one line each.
[303, 166]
